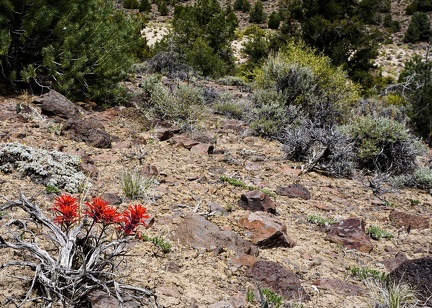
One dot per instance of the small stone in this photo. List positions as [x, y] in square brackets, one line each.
[256, 200]
[339, 286]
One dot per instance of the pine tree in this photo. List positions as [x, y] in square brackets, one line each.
[145, 6]
[163, 8]
[274, 21]
[419, 28]
[131, 4]
[80, 48]
[257, 15]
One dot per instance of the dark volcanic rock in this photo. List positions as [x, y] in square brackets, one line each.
[294, 191]
[56, 105]
[351, 234]
[417, 273]
[281, 280]
[257, 201]
[266, 230]
[89, 131]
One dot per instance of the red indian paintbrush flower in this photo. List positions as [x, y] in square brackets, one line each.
[134, 216]
[67, 208]
[101, 211]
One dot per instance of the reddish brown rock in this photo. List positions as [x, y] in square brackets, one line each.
[256, 200]
[100, 299]
[418, 274]
[194, 230]
[407, 220]
[294, 191]
[392, 263]
[351, 234]
[339, 286]
[89, 169]
[271, 275]
[164, 134]
[202, 149]
[112, 199]
[291, 171]
[184, 142]
[149, 170]
[266, 230]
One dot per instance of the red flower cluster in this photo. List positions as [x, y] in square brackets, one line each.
[101, 212]
[67, 208]
[134, 216]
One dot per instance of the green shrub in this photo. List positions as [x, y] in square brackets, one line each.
[182, 103]
[131, 4]
[421, 178]
[268, 115]
[365, 272]
[320, 221]
[383, 145]
[230, 108]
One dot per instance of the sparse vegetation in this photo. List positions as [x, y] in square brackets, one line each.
[390, 294]
[377, 233]
[135, 185]
[160, 243]
[319, 221]
[239, 183]
[364, 273]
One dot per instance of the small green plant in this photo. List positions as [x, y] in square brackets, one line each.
[389, 203]
[135, 185]
[320, 221]
[414, 202]
[250, 296]
[158, 242]
[238, 183]
[270, 297]
[390, 294]
[377, 233]
[366, 272]
[297, 305]
[51, 189]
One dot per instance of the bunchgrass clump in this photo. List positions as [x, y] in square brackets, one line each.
[377, 233]
[320, 221]
[390, 294]
[135, 185]
[238, 183]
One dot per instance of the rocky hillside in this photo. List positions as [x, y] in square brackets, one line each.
[239, 217]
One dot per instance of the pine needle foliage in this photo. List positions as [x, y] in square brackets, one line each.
[79, 48]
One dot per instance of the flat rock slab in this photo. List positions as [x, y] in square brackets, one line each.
[351, 234]
[294, 191]
[196, 231]
[266, 230]
[256, 200]
[417, 273]
[272, 275]
[407, 220]
[339, 286]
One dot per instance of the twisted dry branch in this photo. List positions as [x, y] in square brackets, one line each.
[74, 270]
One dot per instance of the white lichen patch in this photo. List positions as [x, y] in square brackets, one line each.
[52, 168]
